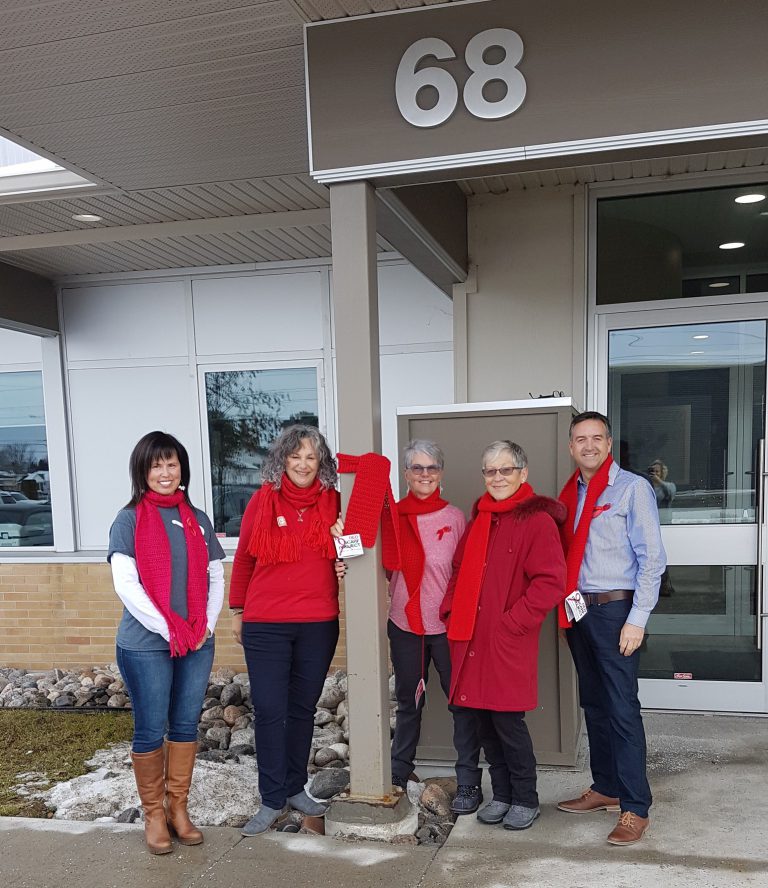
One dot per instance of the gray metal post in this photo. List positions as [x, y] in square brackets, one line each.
[356, 319]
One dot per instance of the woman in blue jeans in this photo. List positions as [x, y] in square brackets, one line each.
[168, 572]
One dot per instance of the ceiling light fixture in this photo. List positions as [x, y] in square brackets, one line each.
[732, 245]
[86, 217]
[718, 284]
[701, 336]
[696, 353]
[750, 198]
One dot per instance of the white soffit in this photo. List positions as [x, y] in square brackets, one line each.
[747, 158]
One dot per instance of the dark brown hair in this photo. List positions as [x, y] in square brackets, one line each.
[590, 414]
[153, 446]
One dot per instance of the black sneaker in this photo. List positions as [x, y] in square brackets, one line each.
[467, 799]
[402, 782]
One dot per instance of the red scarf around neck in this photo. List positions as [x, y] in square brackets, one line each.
[467, 592]
[574, 542]
[272, 542]
[412, 551]
[153, 559]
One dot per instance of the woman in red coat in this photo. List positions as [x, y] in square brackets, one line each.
[508, 573]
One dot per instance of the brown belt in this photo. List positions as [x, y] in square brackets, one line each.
[591, 598]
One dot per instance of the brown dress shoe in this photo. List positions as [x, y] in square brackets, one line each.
[588, 802]
[629, 829]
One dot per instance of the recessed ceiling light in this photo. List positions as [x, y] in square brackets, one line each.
[750, 198]
[732, 245]
[701, 336]
[717, 284]
[86, 217]
[696, 353]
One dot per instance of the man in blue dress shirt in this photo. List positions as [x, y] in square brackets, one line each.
[621, 563]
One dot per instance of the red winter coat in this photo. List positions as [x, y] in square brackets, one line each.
[524, 579]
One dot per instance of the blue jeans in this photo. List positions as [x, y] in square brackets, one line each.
[608, 692]
[166, 693]
[287, 665]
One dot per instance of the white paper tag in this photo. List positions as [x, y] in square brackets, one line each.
[421, 691]
[575, 606]
[349, 546]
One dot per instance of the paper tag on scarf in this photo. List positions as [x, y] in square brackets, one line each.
[421, 691]
[349, 546]
[575, 606]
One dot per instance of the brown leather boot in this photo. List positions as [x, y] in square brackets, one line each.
[630, 829]
[149, 771]
[178, 777]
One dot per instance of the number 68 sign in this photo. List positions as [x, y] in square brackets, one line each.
[409, 81]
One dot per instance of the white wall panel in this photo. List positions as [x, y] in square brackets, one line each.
[19, 348]
[135, 320]
[411, 380]
[258, 313]
[111, 409]
[411, 309]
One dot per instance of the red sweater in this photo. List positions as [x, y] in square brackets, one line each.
[304, 591]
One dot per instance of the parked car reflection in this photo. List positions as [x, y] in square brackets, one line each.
[25, 523]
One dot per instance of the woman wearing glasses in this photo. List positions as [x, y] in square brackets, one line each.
[508, 573]
[430, 529]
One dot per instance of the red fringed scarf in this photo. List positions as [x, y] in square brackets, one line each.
[467, 592]
[271, 540]
[372, 502]
[574, 542]
[412, 551]
[153, 559]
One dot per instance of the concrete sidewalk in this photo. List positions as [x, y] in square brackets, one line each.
[709, 775]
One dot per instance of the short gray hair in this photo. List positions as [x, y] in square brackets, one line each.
[516, 452]
[423, 445]
[288, 442]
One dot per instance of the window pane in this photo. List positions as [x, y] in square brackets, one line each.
[704, 626]
[247, 409]
[668, 246]
[25, 510]
[687, 406]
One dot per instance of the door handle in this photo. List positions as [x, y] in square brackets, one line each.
[760, 475]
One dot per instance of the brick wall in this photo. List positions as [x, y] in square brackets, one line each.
[66, 615]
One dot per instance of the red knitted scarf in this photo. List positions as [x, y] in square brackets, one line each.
[412, 551]
[574, 542]
[153, 559]
[371, 503]
[272, 542]
[467, 592]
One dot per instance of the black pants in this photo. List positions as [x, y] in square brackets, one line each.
[509, 752]
[608, 695]
[287, 665]
[411, 654]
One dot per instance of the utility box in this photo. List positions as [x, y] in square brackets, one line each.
[540, 427]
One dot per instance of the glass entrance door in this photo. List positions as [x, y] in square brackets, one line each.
[686, 395]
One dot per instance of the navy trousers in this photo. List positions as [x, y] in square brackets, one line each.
[411, 655]
[287, 665]
[608, 691]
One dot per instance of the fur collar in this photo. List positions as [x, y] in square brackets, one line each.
[554, 508]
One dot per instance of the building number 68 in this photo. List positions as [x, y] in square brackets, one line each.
[409, 81]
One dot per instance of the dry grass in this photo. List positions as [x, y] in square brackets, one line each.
[54, 743]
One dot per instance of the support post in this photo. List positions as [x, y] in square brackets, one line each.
[356, 320]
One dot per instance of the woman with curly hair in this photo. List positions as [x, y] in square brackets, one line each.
[284, 596]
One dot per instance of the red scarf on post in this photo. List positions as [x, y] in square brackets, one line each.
[467, 592]
[272, 542]
[574, 542]
[412, 551]
[153, 559]
[372, 503]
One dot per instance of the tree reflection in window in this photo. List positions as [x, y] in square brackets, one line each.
[247, 409]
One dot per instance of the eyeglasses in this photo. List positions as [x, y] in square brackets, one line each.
[505, 472]
[424, 470]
